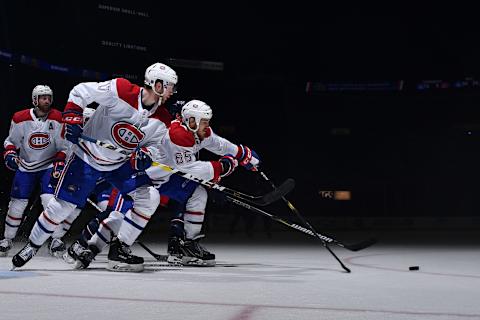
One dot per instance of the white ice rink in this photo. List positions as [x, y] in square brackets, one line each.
[254, 281]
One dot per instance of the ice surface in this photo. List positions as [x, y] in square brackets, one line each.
[253, 281]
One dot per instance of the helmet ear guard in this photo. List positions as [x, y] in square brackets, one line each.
[160, 72]
[40, 90]
[198, 110]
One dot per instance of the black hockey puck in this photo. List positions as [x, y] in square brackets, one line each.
[413, 268]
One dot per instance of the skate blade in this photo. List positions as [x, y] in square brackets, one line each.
[58, 254]
[174, 261]
[68, 259]
[196, 262]
[77, 265]
[124, 267]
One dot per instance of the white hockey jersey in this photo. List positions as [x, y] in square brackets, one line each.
[38, 139]
[119, 120]
[179, 150]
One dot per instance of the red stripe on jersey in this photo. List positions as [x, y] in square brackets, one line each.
[140, 215]
[163, 115]
[70, 106]
[14, 218]
[105, 225]
[217, 169]
[113, 196]
[10, 147]
[119, 203]
[128, 92]
[67, 222]
[239, 152]
[180, 135]
[55, 115]
[195, 213]
[21, 116]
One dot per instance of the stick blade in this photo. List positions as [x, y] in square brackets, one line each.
[361, 245]
[277, 194]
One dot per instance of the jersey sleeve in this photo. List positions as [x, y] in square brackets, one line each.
[154, 140]
[186, 161]
[218, 145]
[61, 145]
[182, 150]
[83, 94]
[15, 134]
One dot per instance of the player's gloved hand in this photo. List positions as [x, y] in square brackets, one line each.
[247, 158]
[141, 159]
[229, 163]
[73, 122]
[58, 166]
[11, 159]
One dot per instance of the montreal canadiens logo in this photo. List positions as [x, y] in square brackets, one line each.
[126, 135]
[39, 140]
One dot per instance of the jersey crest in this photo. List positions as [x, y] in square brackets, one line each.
[39, 140]
[127, 135]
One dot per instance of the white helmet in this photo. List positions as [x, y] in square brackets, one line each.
[159, 71]
[198, 110]
[40, 90]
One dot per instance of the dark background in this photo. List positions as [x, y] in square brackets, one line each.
[409, 157]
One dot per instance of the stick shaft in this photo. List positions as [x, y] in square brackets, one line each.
[307, 224]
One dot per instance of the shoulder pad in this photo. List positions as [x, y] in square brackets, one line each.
[128, 92]
[21, 116]
[180, 135]
[56, 115]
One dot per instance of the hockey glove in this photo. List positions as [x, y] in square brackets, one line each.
[11, 159]
[141, 159]
[58, 166]
[229, 163]
[247, 158]
[73, 122]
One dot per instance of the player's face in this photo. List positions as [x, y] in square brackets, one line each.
[202, 128]
[168, 92]
[44, 102]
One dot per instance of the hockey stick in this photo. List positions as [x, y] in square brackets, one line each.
[352, 247]
[105, 145]
[22, 231]
[291, 225]
[263, 200]
[158, 257]
[94, 205]
[325, 239]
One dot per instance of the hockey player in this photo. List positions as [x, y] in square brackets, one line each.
[184, 140]
[105, 225]
[35, 152]
[101, 194]
[56, 246]
[99, 231]
[125, 118]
